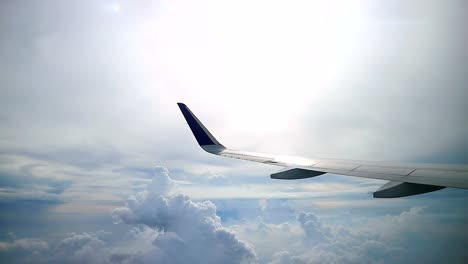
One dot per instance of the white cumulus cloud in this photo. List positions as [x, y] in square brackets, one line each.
[189, 231]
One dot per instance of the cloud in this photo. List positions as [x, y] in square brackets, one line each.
[404, 237]
[24, 250]
[343, 244]
[24, 244]
[338, 244]
[403, 96]
[125, 259]
[312, 237]
[178, 230]
[314, 230]
[285, 257]
[189, 231]
[86, 247]
[276, 210]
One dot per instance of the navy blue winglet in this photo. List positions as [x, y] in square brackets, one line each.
[202, 135]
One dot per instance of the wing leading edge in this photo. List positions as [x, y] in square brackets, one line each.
[405, 179]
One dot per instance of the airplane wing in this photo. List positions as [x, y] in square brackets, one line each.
[405, 179]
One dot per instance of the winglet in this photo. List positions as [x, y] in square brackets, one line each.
[204, 138]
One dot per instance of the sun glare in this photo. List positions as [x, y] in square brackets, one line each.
[115, 7]
[270, 50]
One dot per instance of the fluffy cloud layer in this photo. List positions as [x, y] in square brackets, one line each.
[166, 228]
[82, 248]
[340, 244]
[189, 231]
[24, 244]
[401, 238]
[25, 250]
[188, 227]
[87, 247]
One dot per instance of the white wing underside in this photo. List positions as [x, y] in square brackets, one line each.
[429, 177]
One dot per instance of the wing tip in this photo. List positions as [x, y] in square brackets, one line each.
[180, 104]
[201, 133]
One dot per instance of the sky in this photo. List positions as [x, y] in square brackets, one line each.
[97, 164]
